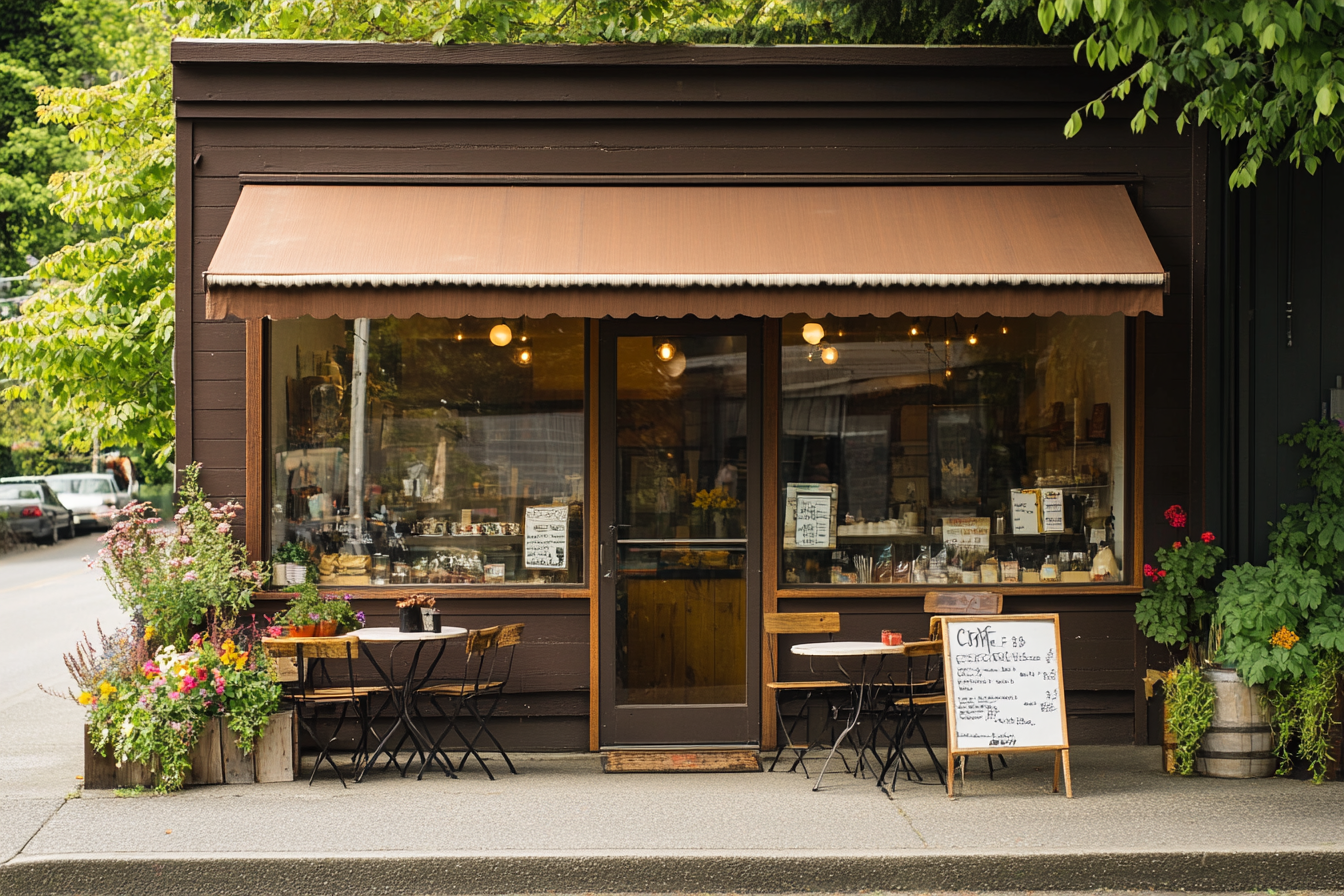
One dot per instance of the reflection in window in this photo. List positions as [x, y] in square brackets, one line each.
[466, 424]
[952, 450]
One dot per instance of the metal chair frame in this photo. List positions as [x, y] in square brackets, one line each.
[347, 696]
[802, 692]
[478, 691]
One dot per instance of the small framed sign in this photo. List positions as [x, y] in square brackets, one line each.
[809, 516]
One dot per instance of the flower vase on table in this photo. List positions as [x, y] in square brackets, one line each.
[715, 503]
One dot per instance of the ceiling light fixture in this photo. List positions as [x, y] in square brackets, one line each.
[813, 333]
[666, 351]
[500, 334]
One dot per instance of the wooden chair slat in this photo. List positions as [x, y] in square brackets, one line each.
[313, 648]
[801, 623]
[923, 648]
[510, 635]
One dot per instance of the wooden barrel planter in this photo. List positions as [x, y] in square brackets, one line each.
[1240, 742]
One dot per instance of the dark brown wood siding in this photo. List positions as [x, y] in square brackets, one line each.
[615, 112]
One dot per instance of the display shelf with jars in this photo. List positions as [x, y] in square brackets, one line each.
[918, 424]
[430, 452]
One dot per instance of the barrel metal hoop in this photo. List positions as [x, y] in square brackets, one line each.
[1249, 754]
[1241, 729]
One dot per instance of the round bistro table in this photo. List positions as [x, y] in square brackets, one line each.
[861, 680]
[403, 692]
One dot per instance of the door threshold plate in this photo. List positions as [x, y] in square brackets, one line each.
[656, 761]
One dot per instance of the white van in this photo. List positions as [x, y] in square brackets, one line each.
[93, 497]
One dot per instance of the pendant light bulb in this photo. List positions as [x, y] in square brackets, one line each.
[972, 339]
[1004, 331]
[914, 331]
[813, 333]
[948, 373]
[829, 354]
[500, 334]
[666, 351]
[522, 356]
[459, 335]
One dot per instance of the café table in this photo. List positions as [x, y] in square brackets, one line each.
[402, 692]
[860, 679]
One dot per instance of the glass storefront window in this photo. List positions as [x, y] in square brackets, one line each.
[429, 451]
[952, 450]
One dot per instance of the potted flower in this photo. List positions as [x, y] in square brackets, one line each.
[304, 611]
[294, 564]
[412, 612]
[1176, 610]
[339, 615]
[716, 502]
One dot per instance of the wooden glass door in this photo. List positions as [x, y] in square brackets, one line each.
[680, 552]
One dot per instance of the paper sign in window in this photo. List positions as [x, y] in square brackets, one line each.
[546, 537]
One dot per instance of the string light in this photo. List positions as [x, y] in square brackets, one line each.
[522, 356]
[813, 333]
[500, 334]
[829, 354]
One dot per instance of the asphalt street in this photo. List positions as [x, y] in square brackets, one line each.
[48, 598]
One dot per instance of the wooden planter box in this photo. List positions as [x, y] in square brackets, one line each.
[216, 759]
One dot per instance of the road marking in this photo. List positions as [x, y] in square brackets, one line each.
[47, 581]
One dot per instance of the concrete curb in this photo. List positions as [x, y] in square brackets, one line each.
[423, 875]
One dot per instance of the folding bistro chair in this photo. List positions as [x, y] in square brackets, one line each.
[318, 690]
[800, 694]
[489, 662]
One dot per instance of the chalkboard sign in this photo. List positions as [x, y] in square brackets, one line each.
[1005, 691]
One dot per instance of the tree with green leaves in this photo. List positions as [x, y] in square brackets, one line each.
[1267, 74]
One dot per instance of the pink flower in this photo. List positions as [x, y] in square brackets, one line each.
[273, 631]
[189, 577]
[185, 539]
[222, 528]
[175, 695]
[196, 639]
[189, 682]
[219, 689]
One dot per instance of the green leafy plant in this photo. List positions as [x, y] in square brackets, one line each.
[305, 608]
[1176, 607]
[1282, 624]
[296, 552]
[1189, 702]
[179, 581]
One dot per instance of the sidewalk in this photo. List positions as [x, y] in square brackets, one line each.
[562, 825]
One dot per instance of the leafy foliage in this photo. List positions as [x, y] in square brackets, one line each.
[1189, 702]
[1266, 72]
[1283, 623]
[1176, 607]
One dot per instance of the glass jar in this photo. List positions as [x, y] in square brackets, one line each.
[401, 573]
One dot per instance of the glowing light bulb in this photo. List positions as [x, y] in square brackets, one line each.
[948, 373]
[1004, 331]
[830, 354]
[947, 342]
[522, 356]
[813, 333]
[500, 334]
[914, 331]
[459, 336]
[666, 351]
[972, 339]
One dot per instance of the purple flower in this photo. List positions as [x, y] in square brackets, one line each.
[359, 617]
[315, 617]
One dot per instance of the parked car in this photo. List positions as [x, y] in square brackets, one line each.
[34, 511]
[94, 498]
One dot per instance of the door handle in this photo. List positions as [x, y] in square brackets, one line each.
[602, 551]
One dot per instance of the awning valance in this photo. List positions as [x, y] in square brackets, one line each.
[709, 251]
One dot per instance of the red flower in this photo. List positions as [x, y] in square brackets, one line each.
[1148, 571]
[1175, 515]
[1208, 537]
[1161, 573]
[1175, 545]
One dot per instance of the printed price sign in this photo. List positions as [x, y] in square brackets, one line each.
[546, 537]
[809, 516]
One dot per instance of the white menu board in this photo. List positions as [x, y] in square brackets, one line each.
[809, 515]
[1052, 510]
[1004, 687]
[546, 536]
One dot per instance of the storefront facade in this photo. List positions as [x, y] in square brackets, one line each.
[636, 344]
